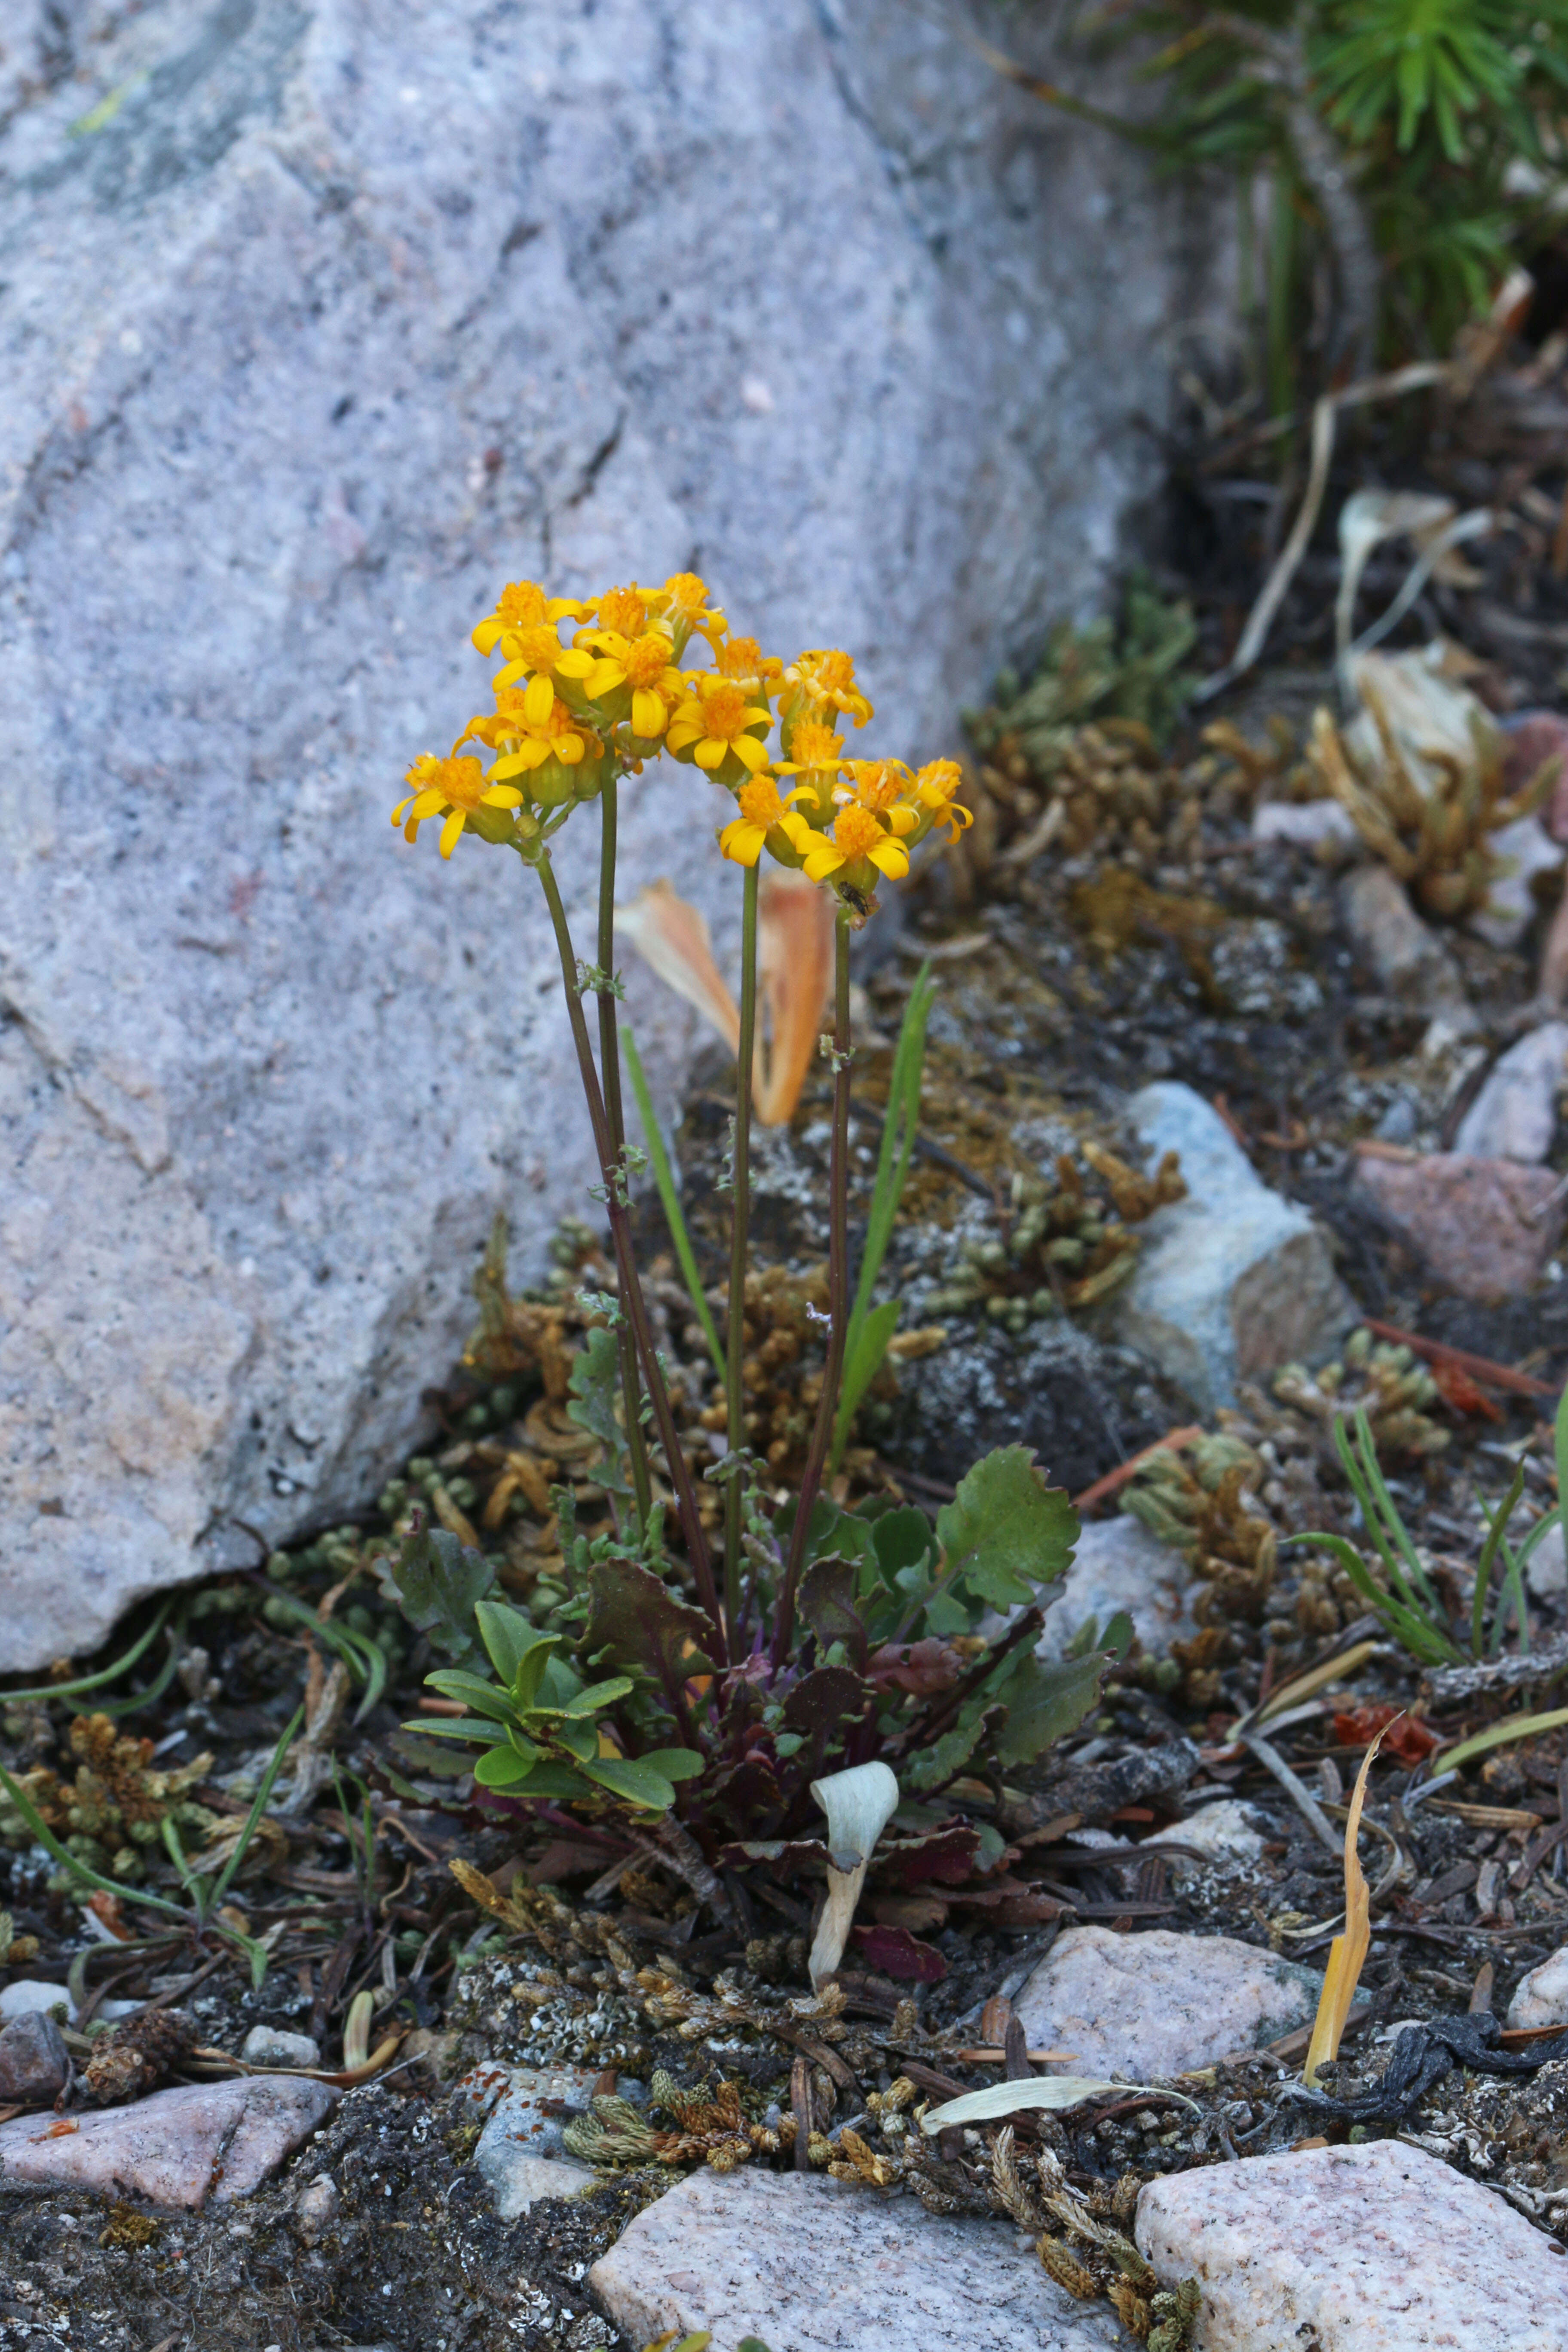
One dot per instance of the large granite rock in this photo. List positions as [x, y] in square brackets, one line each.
[320, 319]
[1374, 2249]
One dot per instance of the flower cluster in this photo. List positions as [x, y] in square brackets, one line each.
[569, 715]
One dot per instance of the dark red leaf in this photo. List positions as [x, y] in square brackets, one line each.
[899, 1954]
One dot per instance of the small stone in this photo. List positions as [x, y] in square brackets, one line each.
[35, 2064]
[521, 2152]
[811, 2266]
[1233, 1281]
[430, 2058]
[317, 2207]
[1485, 1227]
[1116, 1564]
[1542, 1997]
[1514, 1116]
[1546, 1570]
[1224, 1833]
[519, 2181]
[180, 2148]
[1528, 849]
[1150, 2006]
[269, 2046]
[1380, 2248]
[1324, 826]
[1409, 960]
[25, 1997]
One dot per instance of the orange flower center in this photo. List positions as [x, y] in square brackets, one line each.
[462, 781]
[878, 783]
[739, 657]
[538, 646]
[827, 673]
[522, 604]
[646, 661]
[759, 801]
[686, 591]
[812, 745]
[855, 832]
[623, 610]
[723, 711]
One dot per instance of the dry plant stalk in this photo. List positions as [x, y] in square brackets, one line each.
[1347, 1953]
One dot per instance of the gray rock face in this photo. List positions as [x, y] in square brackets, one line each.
[1375, 2249]
[1118, 1564]
[1150, 2006]
[35, 2064]
[1514, 1116]
[179, 2147]
[520, 2154]
[818, 2267]
[320, 320]
[1234, 1281]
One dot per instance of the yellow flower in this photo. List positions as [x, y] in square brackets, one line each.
[644, 666]
[828, 679]
[761, 810]
[521, 606]
[812, 745]
[623, 610]
[934, 788]
[859, 839]
[538, 650]
[883, 786]
[554, 748]
[684, 598]
[743, 659]
[452, 786]
[715, 722]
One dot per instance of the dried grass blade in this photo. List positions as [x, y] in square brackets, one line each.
[1347, 1953]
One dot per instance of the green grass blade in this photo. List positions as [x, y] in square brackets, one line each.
[670, 1199]
[1495, 1531]
[78, 1868]
[153, 1692]
[257, 1808]
[1497, 1735]
[105, 1674]
[1397, 1528]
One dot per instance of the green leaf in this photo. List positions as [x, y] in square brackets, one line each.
[437, 1583]
[901, 1539]
[557, 1782]
[1045, 1698]
[510, 1638]
[473, 1691]
[598, 1695]
[594, 1382]
[675, 1763]
[470, 1727]
[933, 1767]
[635, 1783]
[1006, 1532]
[500, 1768]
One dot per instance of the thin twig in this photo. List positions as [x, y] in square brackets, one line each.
[1297, 1791]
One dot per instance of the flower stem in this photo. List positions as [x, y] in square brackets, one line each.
[838, 1289]
[610, 1066]
[632, 1299]
[739, 1208]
